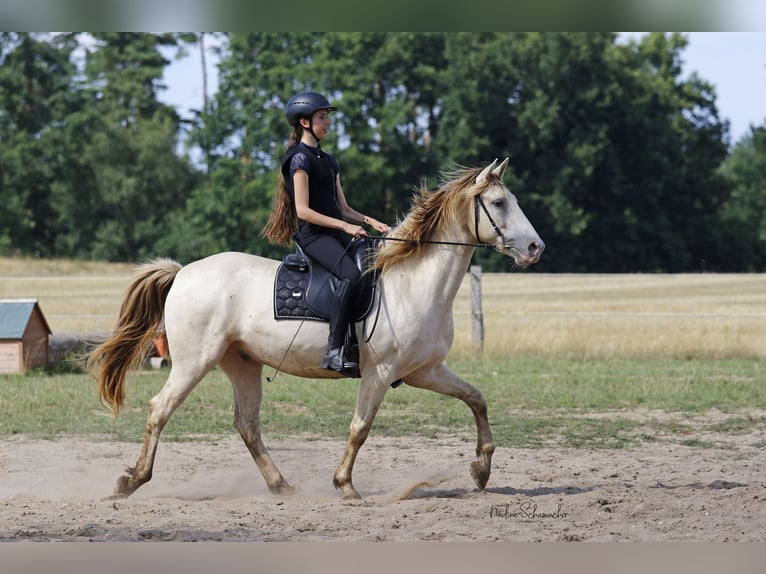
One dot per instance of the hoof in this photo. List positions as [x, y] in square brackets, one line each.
[124, 488]
[283, 489]
[353, 495]
[480, 474]
[115, 497]
[348, 490]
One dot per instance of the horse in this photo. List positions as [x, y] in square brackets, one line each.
[218, 311]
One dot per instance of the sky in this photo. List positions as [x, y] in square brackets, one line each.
[734, 62]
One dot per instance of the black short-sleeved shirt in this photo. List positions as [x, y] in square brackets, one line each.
[325, 245]
[322, 169]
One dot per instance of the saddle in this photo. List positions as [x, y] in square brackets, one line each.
[306, 290]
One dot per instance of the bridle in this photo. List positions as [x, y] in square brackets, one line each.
[479, 202]
[498, 246]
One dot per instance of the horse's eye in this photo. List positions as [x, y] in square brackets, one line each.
[498, 202]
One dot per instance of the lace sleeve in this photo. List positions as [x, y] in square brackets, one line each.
[300, 161]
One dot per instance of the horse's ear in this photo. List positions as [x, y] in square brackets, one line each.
[500, 170]
[485, 172]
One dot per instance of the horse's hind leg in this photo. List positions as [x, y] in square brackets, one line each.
[245, 376]
[444, 381]
[178, 386]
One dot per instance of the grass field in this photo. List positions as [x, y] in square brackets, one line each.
[565, 357]
[587, 316]
[73, 295]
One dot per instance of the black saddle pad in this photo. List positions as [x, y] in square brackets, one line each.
[290, 295]
[303, 290]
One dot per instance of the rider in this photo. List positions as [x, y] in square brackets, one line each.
[310, 200]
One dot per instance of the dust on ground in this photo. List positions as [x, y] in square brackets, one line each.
[413, 490]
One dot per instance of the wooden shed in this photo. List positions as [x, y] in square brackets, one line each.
[24, 336]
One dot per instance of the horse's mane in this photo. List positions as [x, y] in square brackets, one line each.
[430, 211]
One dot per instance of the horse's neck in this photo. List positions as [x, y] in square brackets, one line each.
[436, 274]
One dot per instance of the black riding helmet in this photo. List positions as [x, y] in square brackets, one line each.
[304, 105]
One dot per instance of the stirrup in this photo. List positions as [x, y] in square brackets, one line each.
[334, 360]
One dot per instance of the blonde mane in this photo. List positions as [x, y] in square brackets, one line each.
[430, 211]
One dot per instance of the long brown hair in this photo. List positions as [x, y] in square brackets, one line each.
[283, 220]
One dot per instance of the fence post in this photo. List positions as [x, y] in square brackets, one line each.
[477, 317]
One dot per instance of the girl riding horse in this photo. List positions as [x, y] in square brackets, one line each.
[310, 201]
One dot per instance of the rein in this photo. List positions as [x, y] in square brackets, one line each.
[429, 241]
[477, 202]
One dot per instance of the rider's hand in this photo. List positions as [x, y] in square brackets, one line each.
[355, 230]
[378, 226]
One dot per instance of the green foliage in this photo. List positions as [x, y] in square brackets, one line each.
[744, 214]
[389, 94]
[89, 162]
[37, 94]
[615, 155]
[139, 177]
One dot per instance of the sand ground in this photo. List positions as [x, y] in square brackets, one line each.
[413, 490]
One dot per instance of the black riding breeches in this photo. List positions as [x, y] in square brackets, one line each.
[331, 251]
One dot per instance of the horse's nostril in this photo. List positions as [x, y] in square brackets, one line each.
[535, 248]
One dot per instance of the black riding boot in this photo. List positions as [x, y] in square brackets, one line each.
[335, 358]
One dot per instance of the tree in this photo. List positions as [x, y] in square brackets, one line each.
[388, 87]
[36, 97]
[245, 133]
[615, 155]
[382, 135]
[744, 214]
[140, 180]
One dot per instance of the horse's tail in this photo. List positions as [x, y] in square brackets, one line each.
[138, 324]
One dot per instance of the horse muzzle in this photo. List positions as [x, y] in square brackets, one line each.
[522, 257]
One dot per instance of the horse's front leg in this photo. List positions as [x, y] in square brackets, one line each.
[370, 396]
[441, 380]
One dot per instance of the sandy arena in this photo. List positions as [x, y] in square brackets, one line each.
[414, 490]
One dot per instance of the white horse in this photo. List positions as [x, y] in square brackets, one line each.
[219, 311]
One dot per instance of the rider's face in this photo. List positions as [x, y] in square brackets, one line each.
[320, 123]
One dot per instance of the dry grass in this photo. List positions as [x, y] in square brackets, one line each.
[577, 315]
[73, 295]
[602, 316]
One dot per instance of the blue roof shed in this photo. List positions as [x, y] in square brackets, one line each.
[24, 335]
